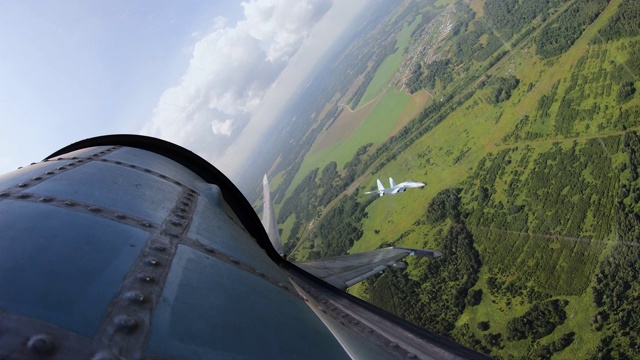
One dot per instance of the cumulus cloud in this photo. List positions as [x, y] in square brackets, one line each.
[222, 127]
[231, 70]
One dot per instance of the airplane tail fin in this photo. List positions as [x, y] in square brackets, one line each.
[391, 182]
[380, 186]
[269, 217]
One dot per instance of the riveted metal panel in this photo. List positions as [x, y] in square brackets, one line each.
[66, 267]
[95, 151]
[215, 227]
[158, 163]
[115, 187]
[212, 309]
[34, 174]
[31, 174]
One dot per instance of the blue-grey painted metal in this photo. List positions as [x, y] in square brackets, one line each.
[213, 309]
[125, 247]
[41, 276]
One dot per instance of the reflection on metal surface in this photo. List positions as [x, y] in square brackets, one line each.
[197, 299]
[42, 276]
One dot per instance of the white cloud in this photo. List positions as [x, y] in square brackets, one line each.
[230, 71]
[222, 127]
[219, 22]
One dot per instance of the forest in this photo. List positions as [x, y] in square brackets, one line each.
[540, 219]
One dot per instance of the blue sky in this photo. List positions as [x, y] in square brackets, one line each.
[193, 72]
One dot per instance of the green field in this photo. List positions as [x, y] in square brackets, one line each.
[389, 66]
[375, 129]
[539, 174]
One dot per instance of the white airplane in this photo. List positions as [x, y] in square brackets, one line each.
[396, 188]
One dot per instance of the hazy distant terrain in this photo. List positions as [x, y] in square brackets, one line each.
[522, 118]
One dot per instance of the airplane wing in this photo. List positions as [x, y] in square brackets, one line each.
[412, 184]
[269, 217]
[344, 271]
[380, 191]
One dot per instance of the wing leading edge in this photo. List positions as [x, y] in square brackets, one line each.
[269, 217]
[347, 270]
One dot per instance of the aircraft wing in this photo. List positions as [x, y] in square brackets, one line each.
[269, 217]
[344, 271]
[412, 184]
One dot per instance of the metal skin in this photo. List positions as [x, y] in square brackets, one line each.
[129, 247]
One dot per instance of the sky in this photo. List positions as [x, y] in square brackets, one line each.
[208, 75]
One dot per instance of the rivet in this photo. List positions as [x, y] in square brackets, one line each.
[305, 298]
[118, 163]
[163, 176]
[108, 150]
[147, 170]
[160, 248]
[175, 236]
[132, 166]
[104, 160]
[103, 355]
[4, 194]
[152, 262]
[23, 185]
[145, 278]
[61, 168]
[71, 164]
[60, 158]
[49, 173]
[185, 203]
[135, 297]
[322, 309]
[121, 216]
[190, 195]
[209, 249]
[24, 196]
[94, 154]
[69, 203]
[234, 260]
[125, 323]
[45, 199]
[45, 160]
[283, 286]
[192, 191]
[176, 223]
[32, 164]
[179, 216]
[37, 178]
[95, 209]
[41, 344]
[177, 183]
[101, 152]
[393, 345]
[146, 224]
[80, 160]
[182, 209]
[74, 158]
